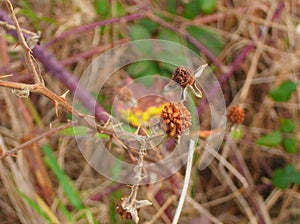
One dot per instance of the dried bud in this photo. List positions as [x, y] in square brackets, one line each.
[177, 119]
[236, 114]
[121, 211]
[183, 76]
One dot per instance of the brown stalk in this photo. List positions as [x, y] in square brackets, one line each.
[29, 59]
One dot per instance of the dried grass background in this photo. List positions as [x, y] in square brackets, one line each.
[235, 188]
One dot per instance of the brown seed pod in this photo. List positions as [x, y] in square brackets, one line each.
[177, 119]
[236, 114]
[183, 76]
[121, 211]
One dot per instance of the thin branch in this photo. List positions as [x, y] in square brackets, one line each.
[203, 210]
[37, 138]
[8, 26]
[57, 100]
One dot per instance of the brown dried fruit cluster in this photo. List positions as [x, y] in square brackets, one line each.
[121, 211]
[183, 76]
[236, 114]
[177, 119]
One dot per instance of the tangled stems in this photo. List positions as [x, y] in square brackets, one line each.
[53, 66]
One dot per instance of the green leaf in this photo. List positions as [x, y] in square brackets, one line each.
[120, 9]
[116, 170]
[102, 7]
[170, 35]
[149, 25]
[102, 136]
[295, 177]
[280, 179]
[26, 9]
[283, 92]
[172, 6]
[142, 68]
[75, 131]
[114, 216]
[272, 139]
[237, 133]
[212, 40]
[138, 32]
[63, 179]
[208, 6]
[192, 9]
[64, 210]
[287, 125]
[35, 206]
[289, 145]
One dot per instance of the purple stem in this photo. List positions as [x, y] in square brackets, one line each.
[90, 26]
[53, 66]
[236, 63]
[191, 39]
[161, 200]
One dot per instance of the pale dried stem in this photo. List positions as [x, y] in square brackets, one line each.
[160, 212]
[186, 182]
[241, 200]
[11, 27]
[202, 210]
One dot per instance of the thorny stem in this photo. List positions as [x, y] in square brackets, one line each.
[55, 67]
[23, 43]
[139, 173]
[57, 100]
[25, 144]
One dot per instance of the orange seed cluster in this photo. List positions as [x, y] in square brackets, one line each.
[177, 119]
[236, 114]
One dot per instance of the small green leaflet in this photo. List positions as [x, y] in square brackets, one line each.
[283, 92]
[287, 125]
[272, 139]
[289, 145]
[282, 177]
[208, 6]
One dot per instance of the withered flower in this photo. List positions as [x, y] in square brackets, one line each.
[121, 211]
[186, 79]
[177, 119]
[236, 114]
[129, 209]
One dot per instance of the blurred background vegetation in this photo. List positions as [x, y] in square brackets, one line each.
[252, 47]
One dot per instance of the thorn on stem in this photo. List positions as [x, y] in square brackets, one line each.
[56, 107]
[65, 94]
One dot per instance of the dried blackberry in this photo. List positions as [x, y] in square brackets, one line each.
[177, 119]
[236, 114]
